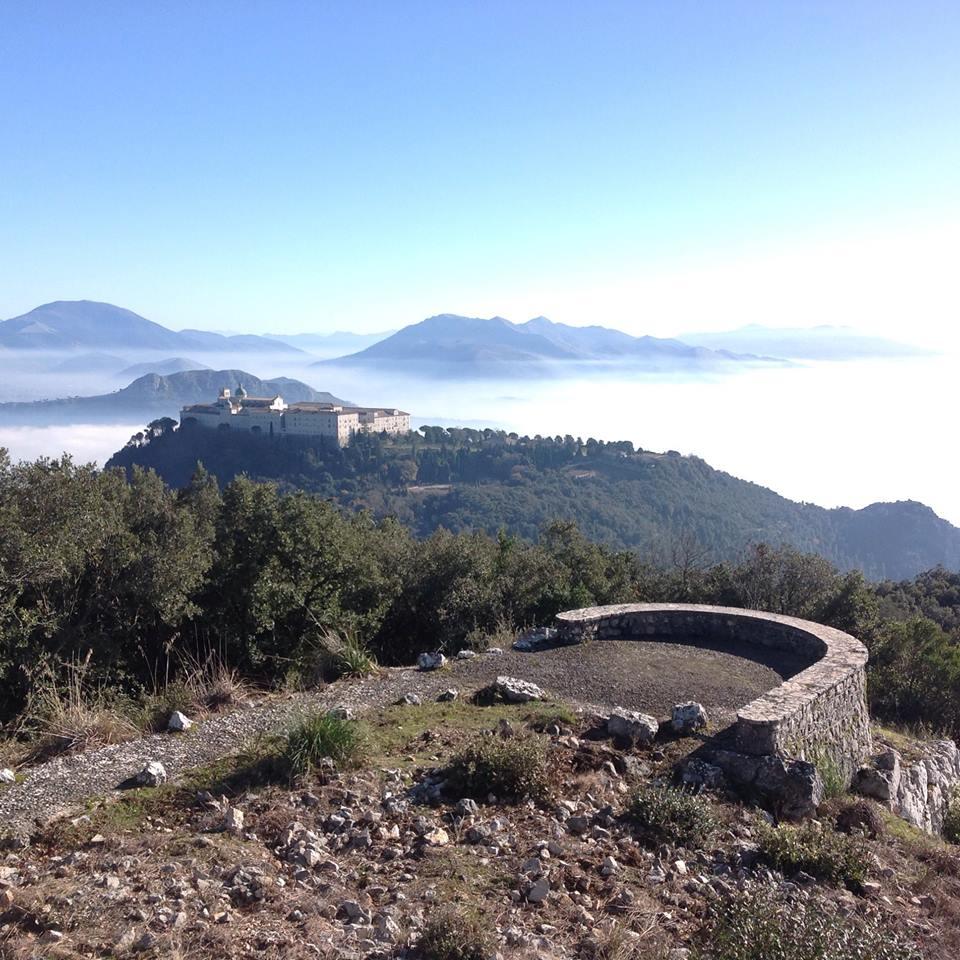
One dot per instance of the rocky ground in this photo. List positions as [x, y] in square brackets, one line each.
[636, 674]
[237, 862]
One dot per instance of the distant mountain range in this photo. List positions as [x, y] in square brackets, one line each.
[449, 344]
[85, 325]
[805, 343]
[153, 395]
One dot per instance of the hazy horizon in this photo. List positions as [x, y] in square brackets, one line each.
[657, 168]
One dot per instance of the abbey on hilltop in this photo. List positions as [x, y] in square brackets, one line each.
[274, 416]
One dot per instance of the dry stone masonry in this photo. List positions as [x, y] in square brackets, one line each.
[817, 719]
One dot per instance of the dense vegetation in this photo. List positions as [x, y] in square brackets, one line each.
[138, 579]
[464, 479]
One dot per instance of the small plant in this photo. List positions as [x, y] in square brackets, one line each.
[821, 852]
[456, 935]
[664, 814]
[752, 926]
[834, 783]
[321, 736]
[343, 654]
[951, 819]
[511, 768]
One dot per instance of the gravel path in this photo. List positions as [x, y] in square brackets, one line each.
[651, 676]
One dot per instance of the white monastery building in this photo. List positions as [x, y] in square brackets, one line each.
[276, 417]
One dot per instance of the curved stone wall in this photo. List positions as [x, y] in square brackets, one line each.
[820, 714]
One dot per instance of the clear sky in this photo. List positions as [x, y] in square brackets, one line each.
[657, 167]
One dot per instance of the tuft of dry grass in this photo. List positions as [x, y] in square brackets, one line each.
[71, 713]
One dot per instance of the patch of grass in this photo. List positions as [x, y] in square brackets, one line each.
[393, 729]
[817, 850]
[344, 654]
[757, 926]
[834, 782]
[320, 736]
[511, 768]
[69, 713]
[452, 934]
[664, 814]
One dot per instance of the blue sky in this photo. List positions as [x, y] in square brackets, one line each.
[360, 165]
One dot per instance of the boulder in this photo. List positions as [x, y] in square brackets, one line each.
[448, 696]
[152, 775]
[632, 726]
[518, 691]
[7, 776]
[179, 722]
[431, 661]
[539, 890]
[410, 700]
[699, 773]
[466, 654]
[794, 786]
[685, 718]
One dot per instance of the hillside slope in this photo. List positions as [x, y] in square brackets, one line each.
[153, 395]
[464, 480]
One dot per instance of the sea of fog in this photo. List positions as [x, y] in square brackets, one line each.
[838, 433]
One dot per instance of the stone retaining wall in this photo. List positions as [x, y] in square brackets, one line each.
[819, 715]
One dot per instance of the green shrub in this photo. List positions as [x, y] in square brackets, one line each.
[511, 768]
[759, 927]
[951, 819]
[456, 935]
[821, 852]
[663, 814]
[320, 736]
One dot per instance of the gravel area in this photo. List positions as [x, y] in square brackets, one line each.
[643, 675]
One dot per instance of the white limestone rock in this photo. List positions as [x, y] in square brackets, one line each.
[233, 821]
[685, 718]
[152, 775]
[179, 722]
[466, 654]
[633, 726]
[431, 661]
[340, 713]
[410, 700]
[7, 776]
[518, 691]
[448, 696]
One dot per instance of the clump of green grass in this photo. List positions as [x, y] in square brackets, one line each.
[511, 768]
[757, 926]
[664, 814]
[320, 736]
[817, 850]
[342, 654]
[453, 934]
[834, 782]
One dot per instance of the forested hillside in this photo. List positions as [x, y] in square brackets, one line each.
[135, 581]
[465, 479]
